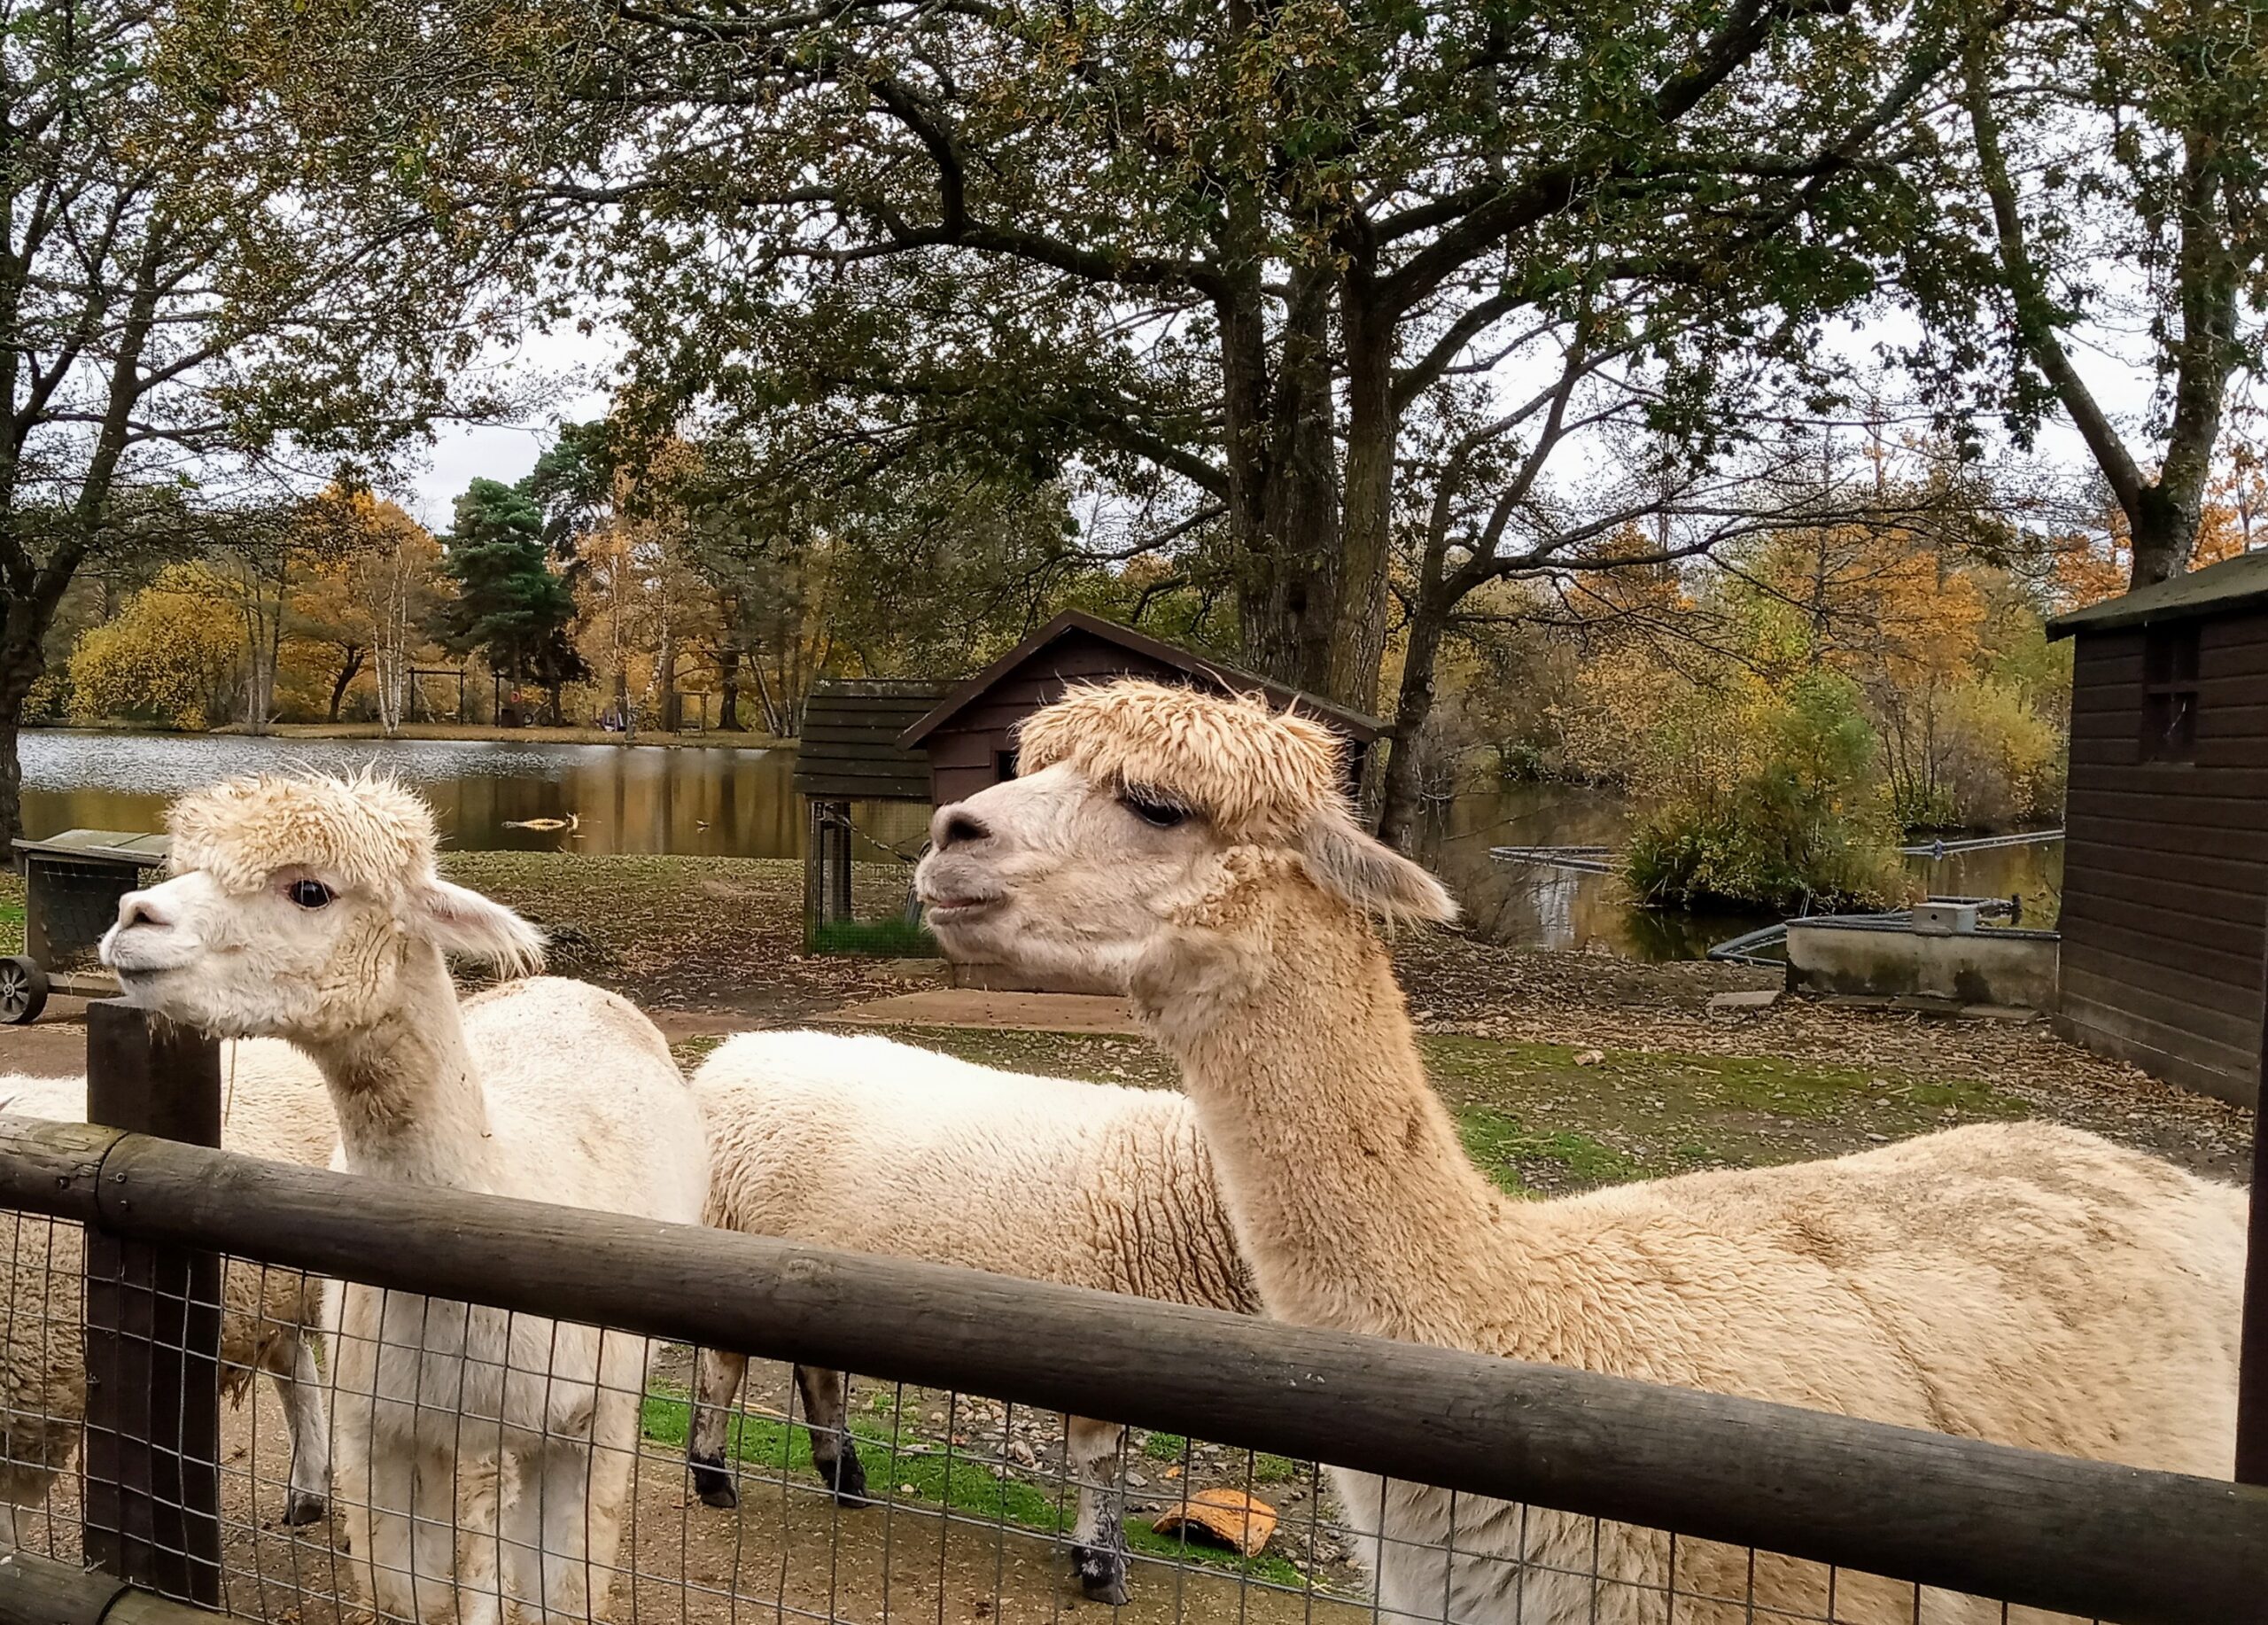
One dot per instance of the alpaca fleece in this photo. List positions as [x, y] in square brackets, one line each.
[1253, 784]
[2018, 1282]
[273, 1106]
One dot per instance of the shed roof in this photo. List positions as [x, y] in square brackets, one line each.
[2232, 585]
[849, 747]
[1353, 723]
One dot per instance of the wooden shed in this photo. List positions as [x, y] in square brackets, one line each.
[2165, 869]
[850, 752]
[970, 737]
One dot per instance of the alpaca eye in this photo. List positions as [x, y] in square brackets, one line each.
[308, 893]
[1157, 814]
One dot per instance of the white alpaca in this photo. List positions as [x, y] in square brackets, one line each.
[483, 1459]
[274, 1108]
[2017, 1282]
[853, 1141]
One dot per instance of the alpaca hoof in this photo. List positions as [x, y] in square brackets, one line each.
[1102, 1576]
[304, 1506]
[848, 1479]
[714, 1485]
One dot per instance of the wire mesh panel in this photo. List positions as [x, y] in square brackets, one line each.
[833, 1498]
[384, 1451]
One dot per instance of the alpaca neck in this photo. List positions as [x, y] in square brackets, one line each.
[409, 1102]
[1350, 1193]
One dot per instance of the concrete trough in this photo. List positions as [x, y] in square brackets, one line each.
[1923, 958]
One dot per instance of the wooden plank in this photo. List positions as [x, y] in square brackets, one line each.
[2226, 951]
[2177, 842]
[2082, 857]
[2236, 783]
[2117, 982]
[2252, 1363]
[2206, 806]
[2034, 1529]
[152, 1503]
[2175, 918]
[2208, 1069]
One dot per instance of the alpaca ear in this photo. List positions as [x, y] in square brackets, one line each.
[1371, 876]
[461, 921]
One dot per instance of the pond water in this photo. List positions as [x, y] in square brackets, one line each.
[726, 800]
[1564, 908]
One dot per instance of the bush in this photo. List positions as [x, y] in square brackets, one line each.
[173, 655]
[1769, 801]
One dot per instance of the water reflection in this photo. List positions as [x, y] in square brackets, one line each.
[721, 801]
[1550, 907]
[729, 802]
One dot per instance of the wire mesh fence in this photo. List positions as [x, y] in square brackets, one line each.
[416, 1458]
[394, 1480]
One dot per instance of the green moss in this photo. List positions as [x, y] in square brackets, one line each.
[900, 939]
[1165, 1447]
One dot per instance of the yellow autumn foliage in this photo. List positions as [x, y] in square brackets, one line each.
[171, 655]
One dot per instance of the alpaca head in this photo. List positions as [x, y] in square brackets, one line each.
[294, 906]
[1143, 811]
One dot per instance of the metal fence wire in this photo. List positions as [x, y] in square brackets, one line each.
[398, 1473]
[970, 1507]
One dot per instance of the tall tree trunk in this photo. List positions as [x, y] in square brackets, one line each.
[348, 671]
[1401, 817]
[1357, 610]
[21, 662]
[728, 690]
[1289, 576]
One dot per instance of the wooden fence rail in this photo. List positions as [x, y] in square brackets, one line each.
[2028, 1529]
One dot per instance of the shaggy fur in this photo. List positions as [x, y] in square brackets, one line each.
[859, 1143]
[275, 1108]
[2023, 1283]
[507, 1494]
[1252, 784]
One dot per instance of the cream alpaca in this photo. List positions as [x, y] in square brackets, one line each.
[852, 1141]
[276, 1108]
[483, 1459]
[2018, 1282]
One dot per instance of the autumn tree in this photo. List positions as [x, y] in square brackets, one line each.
[375, 586]
[1212, 253]
[170, 656]
[2116, 154]
[182, 289]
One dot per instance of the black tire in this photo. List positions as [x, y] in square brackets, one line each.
[23, 989]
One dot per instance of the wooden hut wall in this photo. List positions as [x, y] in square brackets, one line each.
[2165, 886]
[970, 750]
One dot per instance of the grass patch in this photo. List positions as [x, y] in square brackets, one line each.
[909, 1468]
[1501, 1145]
[890, 939]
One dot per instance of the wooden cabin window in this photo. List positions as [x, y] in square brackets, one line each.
[1004, 765]
[2170, 692]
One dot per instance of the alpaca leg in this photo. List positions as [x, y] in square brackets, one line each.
[558, 1477]
[610, 1474]
[1090, 1451]
[835, 1454]
[476, 1495]
[716, 1383]
[378, 1520]
[301, 1391]
[24, 1488]
[436, 1525]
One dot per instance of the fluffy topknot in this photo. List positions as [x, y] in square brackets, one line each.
[372, 833]
[1257, 773]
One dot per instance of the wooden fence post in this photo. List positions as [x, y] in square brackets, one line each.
[2252, 1358]
[151, 1506]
